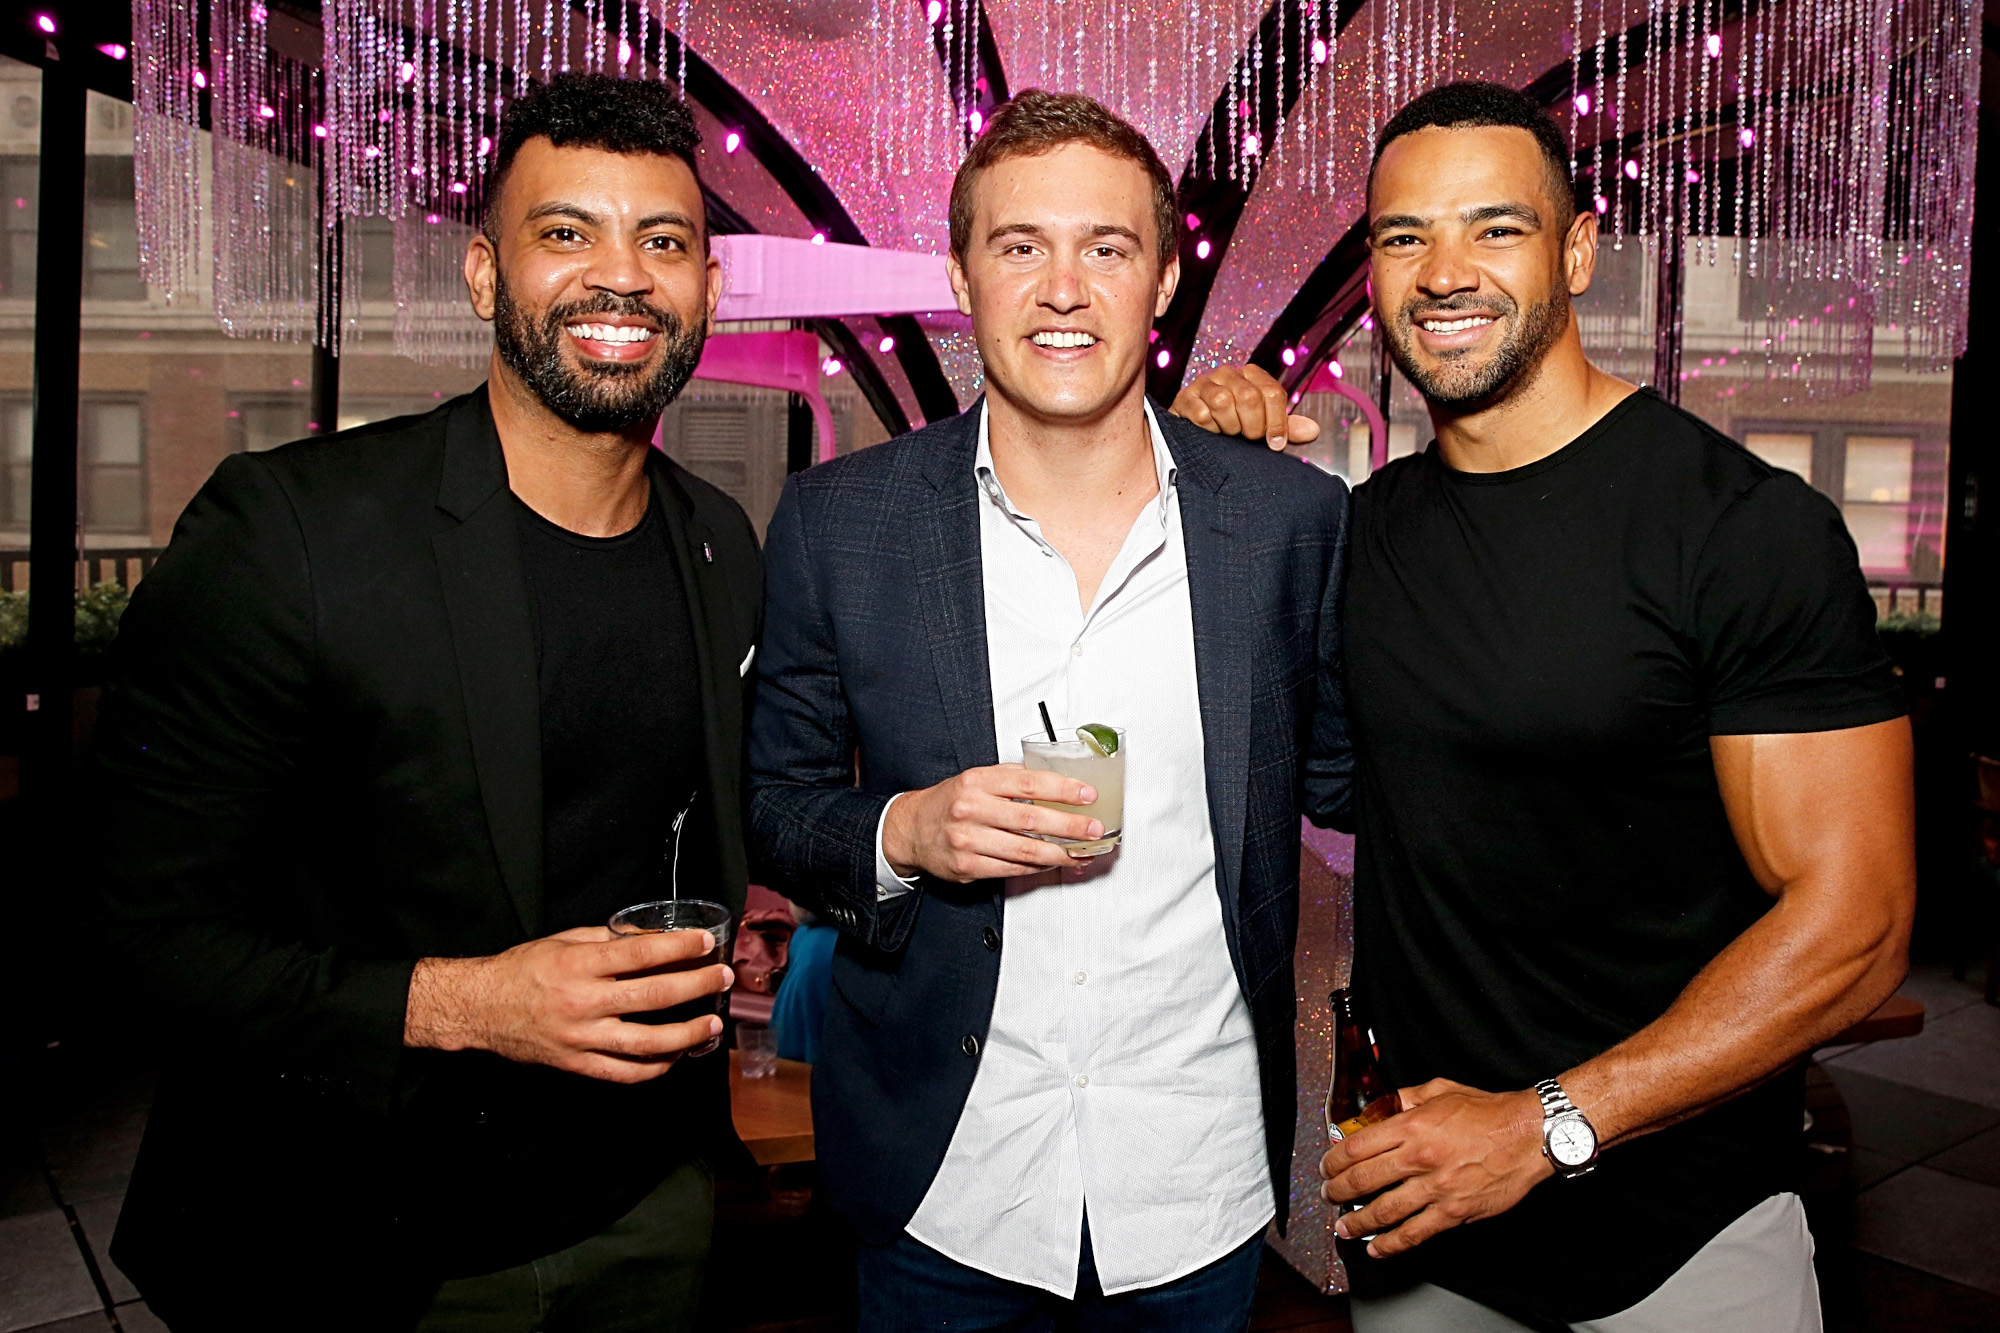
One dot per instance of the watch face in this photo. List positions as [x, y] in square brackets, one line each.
[1571, 1141]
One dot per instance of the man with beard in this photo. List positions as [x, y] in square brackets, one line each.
[1633, 789]
[405, 715]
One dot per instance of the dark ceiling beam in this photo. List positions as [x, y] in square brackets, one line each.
[1206, 189]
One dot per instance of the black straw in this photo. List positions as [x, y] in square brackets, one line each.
[1047, 725]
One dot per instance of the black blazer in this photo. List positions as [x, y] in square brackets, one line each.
[875, 639]
[321, 763]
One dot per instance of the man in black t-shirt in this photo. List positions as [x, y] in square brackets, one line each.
[1634, 798]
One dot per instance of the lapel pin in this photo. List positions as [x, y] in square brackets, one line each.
[707, 553]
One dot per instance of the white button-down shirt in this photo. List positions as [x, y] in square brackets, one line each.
[1120, 1069]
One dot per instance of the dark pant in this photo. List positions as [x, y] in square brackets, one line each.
[641, 1274]
[907, 1286]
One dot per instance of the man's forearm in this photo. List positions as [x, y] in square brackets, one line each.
[1801, 974]
[441, 1008]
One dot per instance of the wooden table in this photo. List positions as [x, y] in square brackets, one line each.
[773, 1115]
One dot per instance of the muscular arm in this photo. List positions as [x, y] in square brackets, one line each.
[1825, 821]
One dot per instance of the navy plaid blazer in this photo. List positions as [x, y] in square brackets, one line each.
[873, 680]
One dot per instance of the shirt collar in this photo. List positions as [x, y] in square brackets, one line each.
[1164, 467]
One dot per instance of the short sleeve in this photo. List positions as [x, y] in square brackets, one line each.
[1784, 624]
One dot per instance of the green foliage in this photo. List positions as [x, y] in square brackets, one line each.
[13, 620]
[97, 613]
[1915, 624]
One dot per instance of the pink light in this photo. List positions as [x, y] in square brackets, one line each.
[731, 142]
[886, 346]
[1289, 357]
[1748, 138]
[416, 171]
[20, 202]
[267, 111]
[319, 131]
[407, 72]
[1368, 321]
[433, 219]
[1714, 45]
[830, 366]
[1631, 170]
[977, 121]
[624, 51]
[1602, 204]
[934, 11]
[259, 14]
[458, 187]
[383, 117]
[1253, 145]
[1582, 101]
[1152, 335]
[1194, 223]
[1319, 50]
[485, 145]
[1201, 249]
[200, 79]
[819, 238]
[1164, 359]
[371, 151]
[114, 50]
[1339, 371]
[47, 23]
[1693, 176]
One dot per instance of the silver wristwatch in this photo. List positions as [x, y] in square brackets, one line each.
[1568, 1140]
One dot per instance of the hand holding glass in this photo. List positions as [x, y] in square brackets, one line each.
[682, 914]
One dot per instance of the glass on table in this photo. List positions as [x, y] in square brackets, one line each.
[681, 914]
[1077, 758]
[757, 1047]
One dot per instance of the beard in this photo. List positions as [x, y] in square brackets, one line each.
[595, 397]
[1524, 341]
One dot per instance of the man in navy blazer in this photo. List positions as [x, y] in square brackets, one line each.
[1050, 1083]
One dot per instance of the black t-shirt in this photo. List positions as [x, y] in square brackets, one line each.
[1537, 659]
[622, 749]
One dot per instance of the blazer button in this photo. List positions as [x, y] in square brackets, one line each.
[990, 937]
[970, 1045]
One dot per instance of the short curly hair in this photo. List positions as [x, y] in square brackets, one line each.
[583, 110]
[1036, 122]
[1475, 104]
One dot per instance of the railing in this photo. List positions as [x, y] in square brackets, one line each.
[123, 565]
[1907, 596]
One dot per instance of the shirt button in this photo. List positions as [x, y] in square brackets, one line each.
[990, 938]
[970, 1045]
[1082, 977]
[1076, 650]
[1083, 1080]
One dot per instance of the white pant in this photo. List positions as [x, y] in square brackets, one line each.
[1755, 1276]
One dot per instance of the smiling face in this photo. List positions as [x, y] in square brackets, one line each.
[594, 274]
[1062, 278]
[1472, 263]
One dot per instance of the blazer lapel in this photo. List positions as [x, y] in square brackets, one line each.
[951, 588]
[493, 637]
[1217, 577]
[721, 690]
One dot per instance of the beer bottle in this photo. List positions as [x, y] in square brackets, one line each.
[1357, 1095]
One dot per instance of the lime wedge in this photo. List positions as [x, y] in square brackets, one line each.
[1101, 739]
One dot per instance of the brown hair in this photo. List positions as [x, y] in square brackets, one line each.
[1036, 122]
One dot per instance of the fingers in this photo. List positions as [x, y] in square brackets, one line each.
[1013, 782]
[1188, 404]
[664, 990]
[1274, 405]
[1411, 1098]
[640, 953]
[1301, 430]
[1407, 1235]
[1384, 1211]
[651, 1041]
[974, 852]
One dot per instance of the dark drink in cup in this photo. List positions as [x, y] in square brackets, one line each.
[681, 914]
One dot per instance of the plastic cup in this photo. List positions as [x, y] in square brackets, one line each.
[757, 1050]
[681, 914]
